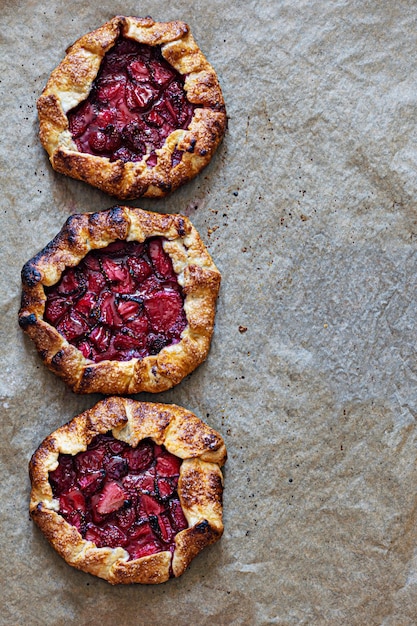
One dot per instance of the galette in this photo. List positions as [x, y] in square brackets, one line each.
[134, 108]
[129, 491]
[121, 301]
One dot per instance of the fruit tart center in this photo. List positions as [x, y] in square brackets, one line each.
[116, 495]
[135, 102]
[121, 302]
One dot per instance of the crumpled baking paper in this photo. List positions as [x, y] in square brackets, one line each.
[308, 208]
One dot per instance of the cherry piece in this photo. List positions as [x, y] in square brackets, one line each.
[116, 495]
[135, 102]
[119, 303]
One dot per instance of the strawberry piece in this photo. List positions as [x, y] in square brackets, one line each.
[161, 73]
[69, 283]
[168, 465]
[151, 505]
[154, 119]
[89, 461]
[80, 119]
[109, 91]
[125, 518]
[63, 477]
[152, 160]
[86, 304]
[108, 312]
[91, 262]
[93, 534]
[165, 525]
[139, 327]
[95, 281]
[139, 458]
[72, 501]
[97, 140]
[105, 117]
[177, 516]
[125, 343]
[100, 337]
[115, 271]
[77, 519]
[90, 483]
[140, 483]
[137, 70]
[164, 310]
[86, 348]
[128, 309]
[139, 96]
[55, 309]
[112, 536]
[144, 547]
[116, 467]
[160, 259]
[115, 446]
[139, 268]
[142, 531]
[111, 498]
[72, 325]
[165, 487]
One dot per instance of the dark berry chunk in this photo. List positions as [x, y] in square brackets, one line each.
[116, 495]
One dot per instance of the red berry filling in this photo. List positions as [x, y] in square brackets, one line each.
[120, 302]
[116, 495]
[135, 102]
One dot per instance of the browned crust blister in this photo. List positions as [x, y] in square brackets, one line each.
[196, 273]
[200, 486]
[70, 84]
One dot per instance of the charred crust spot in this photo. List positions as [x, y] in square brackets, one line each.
[71, 230]
[202, 527]
[192, 145]
[57, 358]
[88, 373]
[166, 187]
[116, 215]
[94, 218]
[181, 227]
[30, 275]
[27, 320]
[212, 442]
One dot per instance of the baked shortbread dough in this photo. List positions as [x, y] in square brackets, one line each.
[129, 491]
[121, 301]
[134, 108]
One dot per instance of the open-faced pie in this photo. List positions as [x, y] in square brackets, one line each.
[129, 491]
[121, 301]
[134, 109]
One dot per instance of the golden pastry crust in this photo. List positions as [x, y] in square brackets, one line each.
[195, 271]
[200, 486]
[70, 84]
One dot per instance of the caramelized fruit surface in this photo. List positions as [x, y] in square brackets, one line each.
[116, 495]
[121, 302]
[136, 101]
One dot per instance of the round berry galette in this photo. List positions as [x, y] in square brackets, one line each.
[134, 108]
[129, 491]
[121, 301]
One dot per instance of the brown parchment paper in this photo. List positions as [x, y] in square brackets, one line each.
[309, 210]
